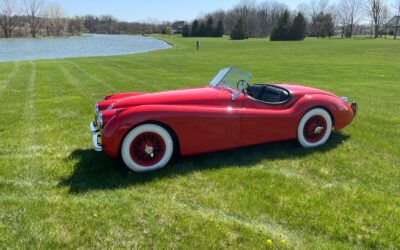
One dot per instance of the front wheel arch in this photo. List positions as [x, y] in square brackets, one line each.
[314, 119]
[175, 138]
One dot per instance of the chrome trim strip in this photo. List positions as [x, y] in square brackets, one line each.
[93, 129]
[96, 145]
[95, 137]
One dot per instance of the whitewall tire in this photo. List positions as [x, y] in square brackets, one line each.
[147, 147]
[315, 128]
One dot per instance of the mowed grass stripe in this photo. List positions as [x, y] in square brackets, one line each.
[90, 76]
[4, 83]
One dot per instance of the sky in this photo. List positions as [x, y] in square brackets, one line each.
[146, 10]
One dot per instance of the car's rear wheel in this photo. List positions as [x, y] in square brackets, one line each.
[147, 147]
[314, 128]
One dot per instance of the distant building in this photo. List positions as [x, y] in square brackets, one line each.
[391, 25]
[177, 27]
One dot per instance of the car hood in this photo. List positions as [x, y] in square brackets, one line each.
[196, 96]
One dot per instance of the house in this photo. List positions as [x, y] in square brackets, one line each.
[177, 27]
[391, 25]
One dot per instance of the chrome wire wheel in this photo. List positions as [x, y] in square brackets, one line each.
[147, 147]
[315, 128]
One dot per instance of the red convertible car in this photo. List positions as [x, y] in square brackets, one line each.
[146, 129]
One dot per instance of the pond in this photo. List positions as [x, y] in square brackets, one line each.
[81, 46]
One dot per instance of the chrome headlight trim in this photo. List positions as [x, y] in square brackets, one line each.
[96, 108]
[100, 120]
[346, 99]
[110, 107]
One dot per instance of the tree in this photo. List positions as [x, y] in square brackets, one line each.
[281, 31]
[195, 28]
[397, 19]
[8, 18]
[324, 25]
[209, 27]
[33, 10]
[329, 25]
[351, 10]
[240, 32]
[55, 19]
[299, 27]
[75, 25]
[316, 7]
[385, 14]
[202, 30]
[219, 31]
[375, 9]
[167, 30]
[186, 31]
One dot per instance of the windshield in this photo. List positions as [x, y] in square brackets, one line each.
[230, 77]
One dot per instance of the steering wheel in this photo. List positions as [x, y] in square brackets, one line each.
[243, 82]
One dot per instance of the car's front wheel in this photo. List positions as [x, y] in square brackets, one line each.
[147, 147]
[314, 128]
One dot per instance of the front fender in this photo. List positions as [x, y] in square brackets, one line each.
[341, 112]
[204, 125]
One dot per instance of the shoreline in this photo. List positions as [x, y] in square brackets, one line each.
[167, 45]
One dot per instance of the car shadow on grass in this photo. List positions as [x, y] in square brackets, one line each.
[96, 171]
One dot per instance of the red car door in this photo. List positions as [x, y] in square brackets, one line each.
[262, 122]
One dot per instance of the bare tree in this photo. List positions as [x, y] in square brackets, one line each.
[55, 19]
[385, 14]
[375, 9]
[8, 18]
[397, 6]
[351, 10]
[33, 10]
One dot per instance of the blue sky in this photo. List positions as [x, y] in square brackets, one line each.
[142, 10]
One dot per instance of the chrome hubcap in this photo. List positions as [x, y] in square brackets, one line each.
[318, 130]
[149, 150]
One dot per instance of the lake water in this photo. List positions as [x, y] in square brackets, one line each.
[90, 45]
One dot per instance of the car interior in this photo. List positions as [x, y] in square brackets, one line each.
[267, 93]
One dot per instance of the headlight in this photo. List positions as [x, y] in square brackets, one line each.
[346, 99]
[100, 120]
[96, 108]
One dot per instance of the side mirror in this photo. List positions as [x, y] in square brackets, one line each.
[235, 95]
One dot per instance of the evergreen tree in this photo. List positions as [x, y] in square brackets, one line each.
[219, 31]
[299, 28]
[209, 27]
[202, 30]
[195, 28]
[186, 31]
[281, 31]
[240, 32]
[329, 25]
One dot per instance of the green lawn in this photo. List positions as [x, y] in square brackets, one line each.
[56, 192]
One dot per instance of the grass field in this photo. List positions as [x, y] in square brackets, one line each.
[56, 192]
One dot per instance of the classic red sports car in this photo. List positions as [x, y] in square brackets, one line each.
[145, 129]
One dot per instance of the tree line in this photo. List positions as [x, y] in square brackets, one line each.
[249, 18]
[204, 28]
[345, 18]
[35, 18]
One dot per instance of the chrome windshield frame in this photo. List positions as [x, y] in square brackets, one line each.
[219, 79]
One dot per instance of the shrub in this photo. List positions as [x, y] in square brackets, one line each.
[299, 28]
[240, 32]
[282, 30]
